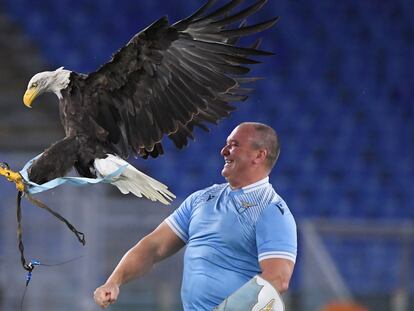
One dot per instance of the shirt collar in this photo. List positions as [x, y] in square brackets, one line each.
[254, 186]
[257, 184]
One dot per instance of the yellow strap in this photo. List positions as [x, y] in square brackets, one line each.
[269, 306]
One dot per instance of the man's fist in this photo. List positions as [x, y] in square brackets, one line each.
[106, 294]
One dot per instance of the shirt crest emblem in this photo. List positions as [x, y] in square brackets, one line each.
[247, 204]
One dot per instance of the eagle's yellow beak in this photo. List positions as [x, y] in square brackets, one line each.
[29, 96]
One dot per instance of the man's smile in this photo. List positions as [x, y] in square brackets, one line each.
[227, 162]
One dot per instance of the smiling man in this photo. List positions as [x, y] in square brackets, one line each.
[240, 235]
[250, 153]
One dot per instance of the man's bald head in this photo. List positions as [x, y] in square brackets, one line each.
[265, 137]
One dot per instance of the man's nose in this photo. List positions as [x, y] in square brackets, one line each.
[224, 151]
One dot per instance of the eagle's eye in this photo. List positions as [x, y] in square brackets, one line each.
[34, 84]
[4, 165]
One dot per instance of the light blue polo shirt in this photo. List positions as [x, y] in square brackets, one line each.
[227, 233]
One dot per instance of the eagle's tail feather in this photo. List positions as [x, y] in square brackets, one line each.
[132, 180]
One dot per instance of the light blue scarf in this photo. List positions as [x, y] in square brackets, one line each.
[32, 187]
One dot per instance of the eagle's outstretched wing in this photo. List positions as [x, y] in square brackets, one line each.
[170, 78]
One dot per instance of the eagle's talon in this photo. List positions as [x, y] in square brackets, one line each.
[12, 176]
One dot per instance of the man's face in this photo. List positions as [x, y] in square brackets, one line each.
[239, 156]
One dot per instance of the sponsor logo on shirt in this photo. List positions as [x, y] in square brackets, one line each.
[281, 208]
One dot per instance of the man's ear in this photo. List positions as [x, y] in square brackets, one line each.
[261, 156]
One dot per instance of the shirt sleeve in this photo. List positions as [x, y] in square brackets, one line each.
[179, 220]
[276, 235]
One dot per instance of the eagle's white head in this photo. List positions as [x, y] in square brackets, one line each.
[46, 81]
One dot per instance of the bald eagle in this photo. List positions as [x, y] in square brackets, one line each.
[164, 82]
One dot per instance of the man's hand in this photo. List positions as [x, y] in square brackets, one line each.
[106, 294]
